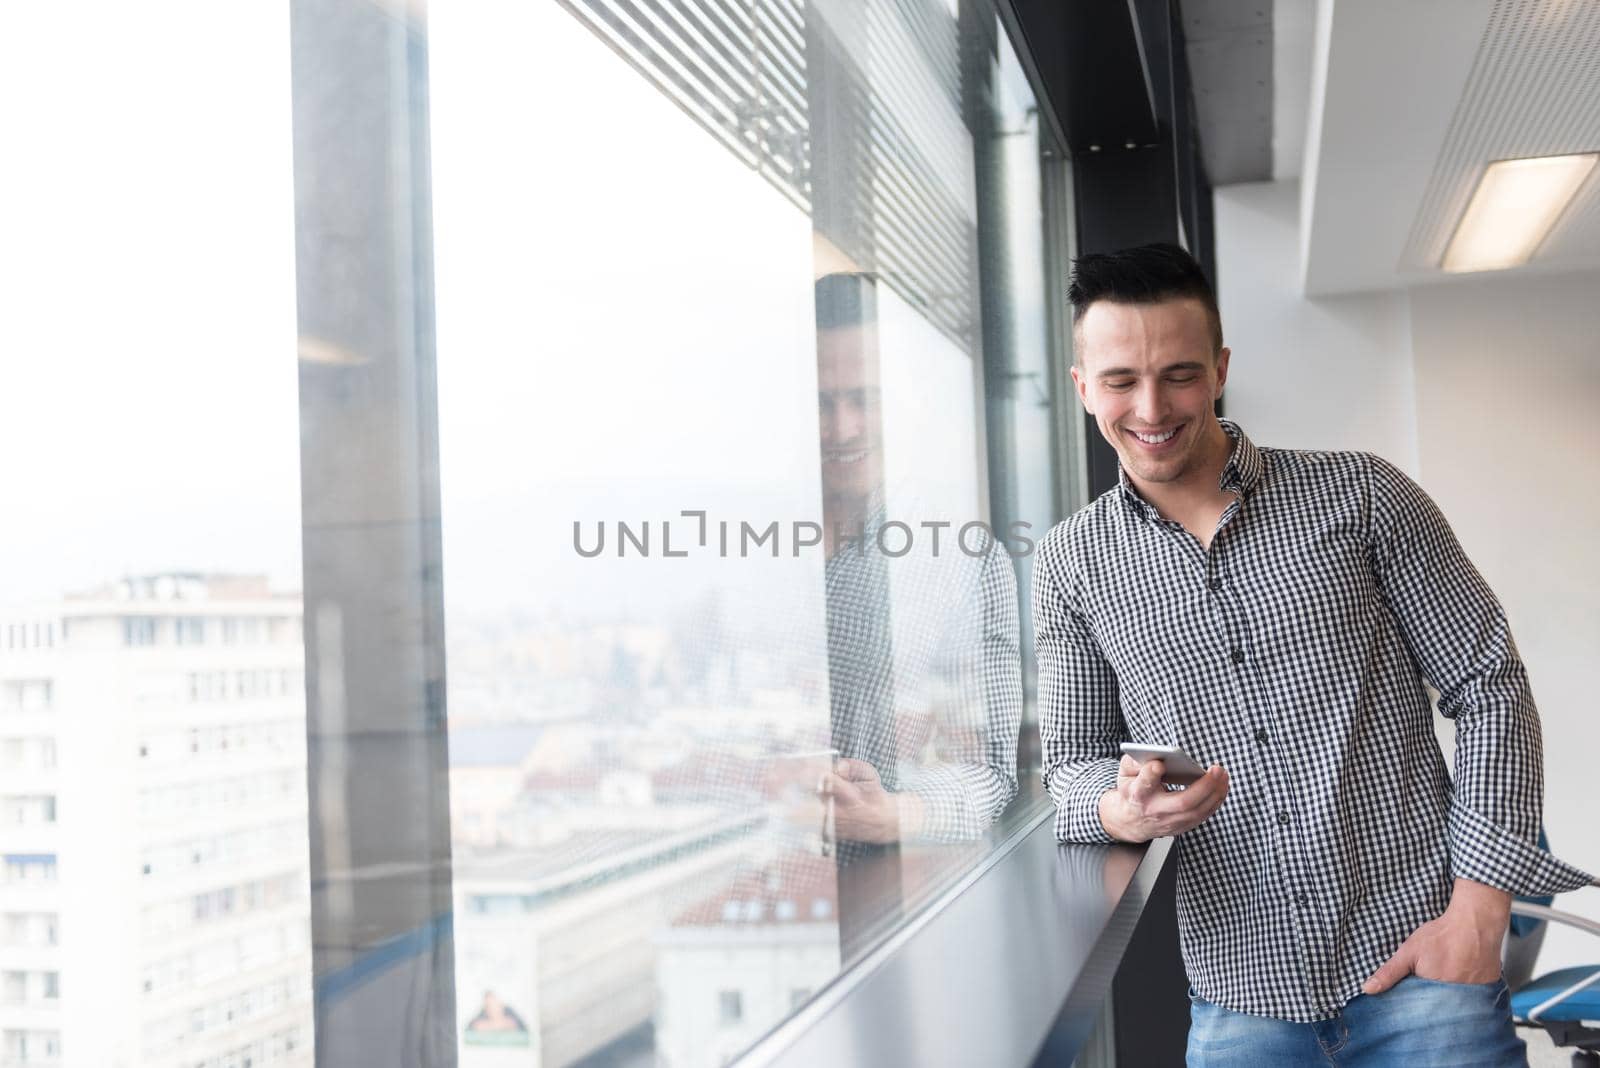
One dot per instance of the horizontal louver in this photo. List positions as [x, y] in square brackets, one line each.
[739, 69]
[736, 68]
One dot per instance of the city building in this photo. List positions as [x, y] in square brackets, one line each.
[152, 741]
[555, 944]
[738, 961]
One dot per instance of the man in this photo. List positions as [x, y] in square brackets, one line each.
[1277, 614]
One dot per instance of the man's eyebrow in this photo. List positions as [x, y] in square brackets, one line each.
[1183, 365]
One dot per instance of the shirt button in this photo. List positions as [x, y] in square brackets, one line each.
[1215, 584]
[1301, 898]
[1238, 656]
[1261, 735]
[1283, 817]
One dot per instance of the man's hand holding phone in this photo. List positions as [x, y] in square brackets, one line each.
[1142, 808]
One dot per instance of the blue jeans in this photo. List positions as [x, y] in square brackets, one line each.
[1419, 1023]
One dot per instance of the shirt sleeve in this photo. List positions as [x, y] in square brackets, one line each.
[1080, 714]
[1459, 638]
[974, 775]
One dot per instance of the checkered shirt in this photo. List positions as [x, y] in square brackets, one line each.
[924, 672]
[1294, 652]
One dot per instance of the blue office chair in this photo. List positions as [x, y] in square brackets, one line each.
[1561, 1001]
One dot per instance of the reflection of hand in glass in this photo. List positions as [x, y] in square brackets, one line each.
[863, 811]
[797, 784]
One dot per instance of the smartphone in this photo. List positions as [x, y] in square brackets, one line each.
[1181, 768]
[801, 774]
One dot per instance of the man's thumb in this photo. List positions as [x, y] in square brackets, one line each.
[844, 791]
[1393, 970]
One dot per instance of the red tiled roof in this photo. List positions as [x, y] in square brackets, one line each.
[795, 888]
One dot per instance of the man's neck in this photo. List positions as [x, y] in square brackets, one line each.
[1199, 488]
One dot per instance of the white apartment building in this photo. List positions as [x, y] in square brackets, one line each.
[738, 961]
[154, 889]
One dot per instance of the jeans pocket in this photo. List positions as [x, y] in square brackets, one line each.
[1493, 984]
[1494, 993]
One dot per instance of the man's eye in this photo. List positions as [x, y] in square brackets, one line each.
[1182, 380]
[1120, 383]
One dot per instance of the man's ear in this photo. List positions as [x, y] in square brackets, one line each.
[1222, 370]
[1080, 382]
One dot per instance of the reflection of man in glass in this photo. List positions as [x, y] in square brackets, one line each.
[924, 671]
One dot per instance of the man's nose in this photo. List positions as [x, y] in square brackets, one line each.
[843, 424]
[1149, 402]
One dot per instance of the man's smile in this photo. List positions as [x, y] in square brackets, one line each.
[1155, 440]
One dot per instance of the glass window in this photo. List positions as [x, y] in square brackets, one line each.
[730, 1007]
[139, 630]
[157, 309]
[626, 428]
[733, 403]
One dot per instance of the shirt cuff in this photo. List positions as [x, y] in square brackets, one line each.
[1486, 853]
[1078, 804]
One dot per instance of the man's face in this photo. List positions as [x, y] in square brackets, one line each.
[1147, 374]
[851, 415]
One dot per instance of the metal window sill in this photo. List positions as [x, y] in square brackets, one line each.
[1020, 951]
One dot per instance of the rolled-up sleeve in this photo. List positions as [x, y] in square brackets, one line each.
[1459, 637]
[974, 776]
[1080, 717]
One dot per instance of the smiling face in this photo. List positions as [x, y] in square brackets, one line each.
[851, 414]
[1150, 375]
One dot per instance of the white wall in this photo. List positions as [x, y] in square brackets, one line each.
[1508, 384]
[1486, 390]
[1331, 373]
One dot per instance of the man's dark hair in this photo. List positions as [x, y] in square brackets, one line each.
[845, 300]
[1143, 275]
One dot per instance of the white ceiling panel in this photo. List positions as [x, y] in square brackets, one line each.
[1412, 101]
[1534, 90]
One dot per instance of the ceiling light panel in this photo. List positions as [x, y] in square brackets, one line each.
[1512, 211]
[1534, 90]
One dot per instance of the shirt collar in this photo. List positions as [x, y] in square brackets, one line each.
[1239, 475]
[1243, 469]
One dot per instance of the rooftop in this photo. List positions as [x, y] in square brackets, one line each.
[795, 888]
[184, 586]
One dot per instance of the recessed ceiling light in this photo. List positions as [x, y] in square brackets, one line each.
[1516, 204]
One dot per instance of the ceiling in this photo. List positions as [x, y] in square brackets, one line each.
[1229, 46]
[1408, 102]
